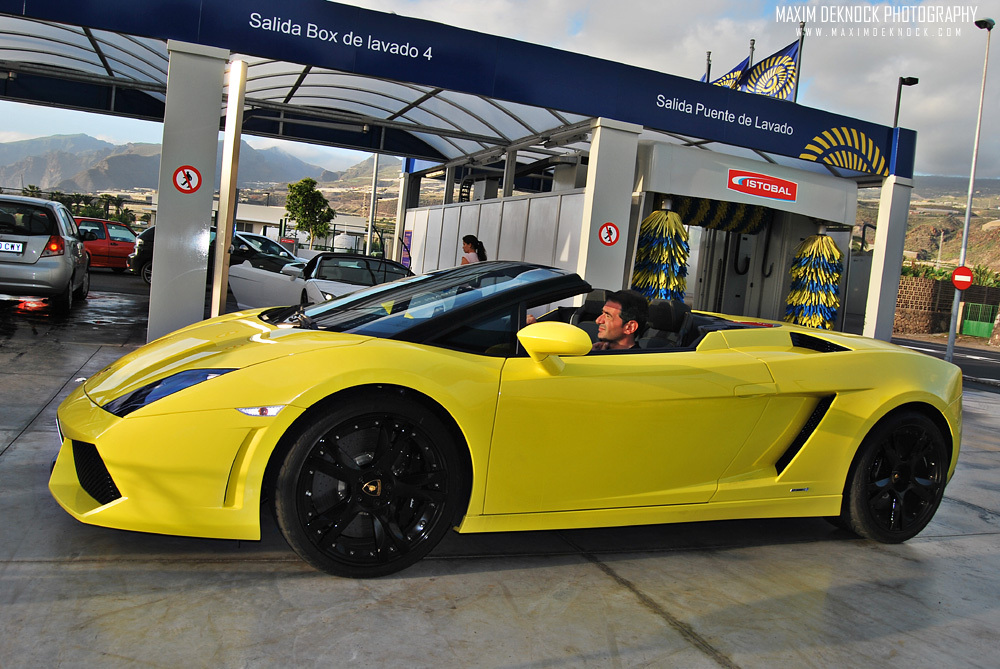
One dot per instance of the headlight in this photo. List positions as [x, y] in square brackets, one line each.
[137, 399]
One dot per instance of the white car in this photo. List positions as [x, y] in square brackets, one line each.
[324, 277]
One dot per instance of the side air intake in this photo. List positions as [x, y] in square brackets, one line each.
[802, 340]
[800, 439]
[93, 475]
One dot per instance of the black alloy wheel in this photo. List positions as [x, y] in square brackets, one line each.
[898, 479]
[370, 488]
[146, 272]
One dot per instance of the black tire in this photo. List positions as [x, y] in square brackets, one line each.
[63, 302]
[897, 480]
[146, 271]
[84, 289]
[369, 488]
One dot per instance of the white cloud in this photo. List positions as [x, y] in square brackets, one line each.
[12, 136]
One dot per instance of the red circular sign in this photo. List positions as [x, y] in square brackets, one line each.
[962, 277]
[609, 234]
[187, 179]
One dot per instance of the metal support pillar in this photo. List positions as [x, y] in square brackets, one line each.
[509, 170]
[887, 258]
[227, 190]
[608, 203]
[409, 197]
[186, 186]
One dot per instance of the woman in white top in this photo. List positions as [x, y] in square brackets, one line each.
[473, 250]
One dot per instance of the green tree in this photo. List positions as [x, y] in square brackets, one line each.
[79, 200]
[309, 209]
[106, 201]
[31, 190]
[126, 216]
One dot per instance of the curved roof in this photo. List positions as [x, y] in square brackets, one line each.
[108, 72]
[57, 64]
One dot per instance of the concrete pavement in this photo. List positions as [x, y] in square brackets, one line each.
[730, 594]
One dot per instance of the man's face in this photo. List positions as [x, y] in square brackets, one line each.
[609, 324]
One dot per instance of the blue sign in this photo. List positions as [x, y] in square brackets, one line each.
[351, 39]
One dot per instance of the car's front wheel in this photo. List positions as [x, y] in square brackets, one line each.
[897, 480]
[146, 271]
[370, 487]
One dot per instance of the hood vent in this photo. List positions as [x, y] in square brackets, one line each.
[802, 340]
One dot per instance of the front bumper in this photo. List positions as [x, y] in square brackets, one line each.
[191, 474]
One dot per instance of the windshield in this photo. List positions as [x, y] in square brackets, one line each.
[388, 309]
[265, 245]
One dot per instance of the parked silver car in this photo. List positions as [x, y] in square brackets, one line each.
[41, 252]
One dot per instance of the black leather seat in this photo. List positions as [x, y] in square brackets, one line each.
[668, 325]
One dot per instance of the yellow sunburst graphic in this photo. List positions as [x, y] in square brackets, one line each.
[730, 80]
[848, 148]
[773, 76]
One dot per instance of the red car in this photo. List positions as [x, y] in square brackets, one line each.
[109, 243]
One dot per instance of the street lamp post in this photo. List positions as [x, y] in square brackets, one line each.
[987, 25]
[903, 81]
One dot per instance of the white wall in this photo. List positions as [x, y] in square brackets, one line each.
[544, 229]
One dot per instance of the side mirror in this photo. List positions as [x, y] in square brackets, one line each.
[545, 342]
[293, 270]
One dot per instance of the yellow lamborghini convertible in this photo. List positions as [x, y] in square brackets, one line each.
[372, 424]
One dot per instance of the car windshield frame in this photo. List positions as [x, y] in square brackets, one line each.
[423, 302]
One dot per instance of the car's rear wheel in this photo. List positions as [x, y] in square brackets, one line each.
[897, 480]
[369, 488]
[84, 289]
[146, 271]
[63, 302]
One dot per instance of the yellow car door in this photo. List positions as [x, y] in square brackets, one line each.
[620, 429]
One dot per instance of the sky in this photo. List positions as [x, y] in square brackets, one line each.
[853, 56]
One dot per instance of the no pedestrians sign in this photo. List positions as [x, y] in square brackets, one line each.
[187, 179]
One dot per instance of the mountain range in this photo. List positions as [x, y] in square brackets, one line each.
[84, 164]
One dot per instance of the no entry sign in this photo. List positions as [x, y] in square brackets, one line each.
[962, 277]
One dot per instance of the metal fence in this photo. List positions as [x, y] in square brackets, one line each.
[977, 320]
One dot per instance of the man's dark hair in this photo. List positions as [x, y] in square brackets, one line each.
[634, 307]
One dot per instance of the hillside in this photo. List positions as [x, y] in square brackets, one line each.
[78, 163]
[936, 219]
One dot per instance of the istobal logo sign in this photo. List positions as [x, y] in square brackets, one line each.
[762, 185]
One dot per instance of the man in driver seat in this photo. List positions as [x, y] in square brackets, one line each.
[621, 321]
